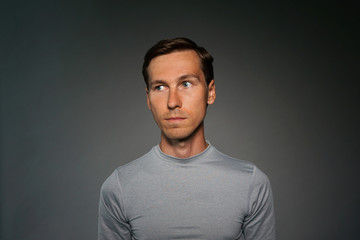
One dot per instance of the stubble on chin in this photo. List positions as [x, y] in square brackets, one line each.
[180, 134]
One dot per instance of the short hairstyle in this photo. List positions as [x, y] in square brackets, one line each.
[167, 46]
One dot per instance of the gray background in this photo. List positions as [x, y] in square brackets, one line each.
[73, 106]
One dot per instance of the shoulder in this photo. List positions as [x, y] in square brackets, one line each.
[246, 168]
[259, 177]
[125, 173]
[136, 165]
[233, 163]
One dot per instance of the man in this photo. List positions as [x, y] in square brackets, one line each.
[184, 188]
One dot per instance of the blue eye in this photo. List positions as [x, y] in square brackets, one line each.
[159, 88]
[186, 84]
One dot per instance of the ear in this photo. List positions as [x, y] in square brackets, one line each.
[211, 93]
[147, 98]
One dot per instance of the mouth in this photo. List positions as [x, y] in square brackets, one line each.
[175, 119]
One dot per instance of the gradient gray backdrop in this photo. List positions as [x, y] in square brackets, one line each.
[73, 106]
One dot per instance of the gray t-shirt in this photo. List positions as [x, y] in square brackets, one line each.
[207, 196]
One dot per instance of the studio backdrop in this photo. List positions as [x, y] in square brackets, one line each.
[73, 106]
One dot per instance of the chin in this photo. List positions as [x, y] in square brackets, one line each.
[177, 135]
[181, 134]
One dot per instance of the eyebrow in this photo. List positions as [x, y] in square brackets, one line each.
[181, 78]
[156, 82]
[186, 76]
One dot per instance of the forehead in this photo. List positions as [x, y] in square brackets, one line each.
[174, 64]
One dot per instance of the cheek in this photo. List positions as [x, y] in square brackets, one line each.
[155, 107]
[155, 103]
[155, 113]
[201, 98]
[197, 105]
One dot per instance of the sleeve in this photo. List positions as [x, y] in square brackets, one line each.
[260, 222]
[112, 224]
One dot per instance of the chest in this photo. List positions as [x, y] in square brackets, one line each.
[191, 207]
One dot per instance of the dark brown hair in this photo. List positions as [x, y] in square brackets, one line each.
[179, 44]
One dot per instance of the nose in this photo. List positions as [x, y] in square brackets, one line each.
[174, 100]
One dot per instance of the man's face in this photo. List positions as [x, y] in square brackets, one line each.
[178, 94]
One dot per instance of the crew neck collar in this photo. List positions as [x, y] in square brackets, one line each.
[188, 160]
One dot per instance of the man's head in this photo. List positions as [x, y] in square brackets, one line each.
[179, 44]
[178, 92]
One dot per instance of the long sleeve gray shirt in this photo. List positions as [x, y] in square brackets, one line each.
[207, 196]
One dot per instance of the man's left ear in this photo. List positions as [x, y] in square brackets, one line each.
[147, 98]
[211, 92]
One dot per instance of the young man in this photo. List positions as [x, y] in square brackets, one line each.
[184, 188]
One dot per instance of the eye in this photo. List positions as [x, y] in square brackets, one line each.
[186, 84]
[159, 87]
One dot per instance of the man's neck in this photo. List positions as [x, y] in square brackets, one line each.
[183, 148]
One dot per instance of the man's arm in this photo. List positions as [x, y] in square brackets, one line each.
[112, 224]
[260, 223]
